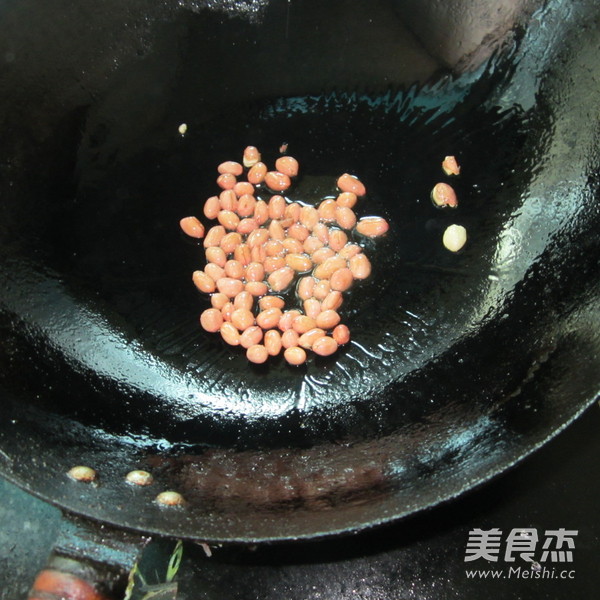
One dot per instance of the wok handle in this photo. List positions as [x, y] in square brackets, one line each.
[89, 561]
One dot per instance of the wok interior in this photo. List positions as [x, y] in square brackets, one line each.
[100, 315]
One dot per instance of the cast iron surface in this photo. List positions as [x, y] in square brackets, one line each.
[460, 364]
[421, 557]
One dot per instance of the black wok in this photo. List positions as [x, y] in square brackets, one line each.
[460, 365]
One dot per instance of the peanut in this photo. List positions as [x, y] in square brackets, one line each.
[211, 320]
[203, 282]
[372, 226]
[349, 183]
[192, 227]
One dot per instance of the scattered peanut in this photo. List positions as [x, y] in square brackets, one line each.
[257, 354]
[295, 355]
[444, 195]
[450, 166]
[454, 237]
[192, 227]
[372, 226]
[349, 183]
[82, 473]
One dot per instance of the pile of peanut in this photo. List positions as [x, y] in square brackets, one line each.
[265, 243]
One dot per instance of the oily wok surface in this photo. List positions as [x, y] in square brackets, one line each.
[459, 364]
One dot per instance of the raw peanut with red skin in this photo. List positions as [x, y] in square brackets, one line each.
[312, 308]
[291, 215]
[372, 226]
[259, 254]
[321, 255]
[325, 346]
[287, 165]
[327, 210]
[273, 342]
[252, 335]
[214, 271]
[280, 280]
[212, 207]
[341, 280]
[231, 167]
[242, 254]
[230, 242]
[246, 205]
[192, 227]
[341, 334]
[261, 212]
[274, 263]
[305, 288]
[211, 320]
[230, 287]
[246, 226]
[337, 239]
[242, 318]
[276, 181]
[234, 268]
[268, 319]
[321, 232]
[243, 300]
[216, 255]
[276, 230]
[226, 181]
[298, 232]
[243, 187]
[349, 183]
[287, 319]
[228, 219]
[327, 268]
[293, 246]
[328, 319]
[274, 248]
[257, 288]
[218, 300]
[227, 311]
[271, 302]
[450, 166]
[257, 354]
[307, 339]
[347, 199]
[230, 334]
[321, 289]
[309, 217]
[303, 323]
[228, 200]
[345, 217]
[444, 195]
[255, 272]
[299, 262]
[290, 338]
[214, 236]
[257, 173]
[251, 156]
[332, 301]
[295, 356]
[203, 282]
[277, 206]
[311, 244]
[258, 237]
[360, 266]
[350, 250]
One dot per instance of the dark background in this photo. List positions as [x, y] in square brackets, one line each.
[421, 557]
